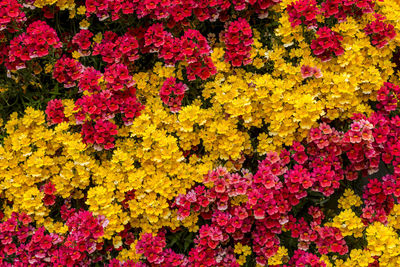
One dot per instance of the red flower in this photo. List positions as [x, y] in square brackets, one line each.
[49, 200]
[49, 188]
[327, 43]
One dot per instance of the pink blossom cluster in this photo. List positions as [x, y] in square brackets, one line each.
[303, 258]
[379, 198]
[327, 239]
[308, 71]
[89, 80]
[238, 39]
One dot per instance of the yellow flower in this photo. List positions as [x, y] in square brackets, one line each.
[72, 13]
[349, 200]
[76, 54]
[84, 24]
[98, 37]
[280, 257]
[48, 68]
[81, 10]
[348, 223]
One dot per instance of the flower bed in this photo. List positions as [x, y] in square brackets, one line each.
[199, 133]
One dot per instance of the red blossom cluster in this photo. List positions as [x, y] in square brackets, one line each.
[117, 77]
[10, 12]
[89, 80]
[95, 110]
[23, 245]
[55, 111]
[387, 97]
[192, 48]
[340, 9]
[36, 42]
[172, 93]
[105, 104]
[82, 40]
[379, 198]
[127, 263]
[67, 71]
[303, 258]
[327, 44]
[327, 239]
[238, 39]
[49, 198]
[153, 248]
[303, 12]
[100, 133]
[174, 11]
[117, 49]
[379, 31]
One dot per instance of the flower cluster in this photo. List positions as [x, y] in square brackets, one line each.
[49, 197]
[10, 12]
[192, 48]
[153, 248]
[99, 105]
[100, 134]
[90, 80]
[117, 49]
[307, 72]
[340, 9]
[67, 71]
[381, 33]
[327, 44]
[82, 40]
[303, 12]
[36, 42]
[172, 93]
[22, 244]
[96, 111]
[174, 11]
[238, 41]
[55, 111]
